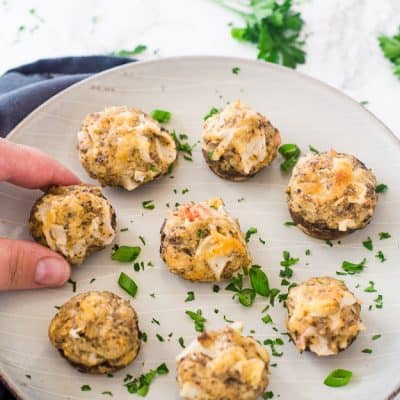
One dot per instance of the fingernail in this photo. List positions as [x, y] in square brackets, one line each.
[51, 271]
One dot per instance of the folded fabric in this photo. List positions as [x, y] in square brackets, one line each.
[24, 88]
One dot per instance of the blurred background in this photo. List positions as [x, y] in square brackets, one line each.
[341, 37]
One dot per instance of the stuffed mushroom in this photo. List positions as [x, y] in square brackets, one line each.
[125, 147]
[238, 142]
[223, 365]
[331, 194]
[73, 220]
[323, 316]
[201, 242]
[97, 332]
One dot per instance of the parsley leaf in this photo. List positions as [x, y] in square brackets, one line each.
[381, 188]
[161, 116]
[198, 319]
[352, 268]
[338, 377]
[189, 297]
[368, 244]
[212, 111]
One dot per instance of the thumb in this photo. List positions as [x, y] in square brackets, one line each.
[27, 265]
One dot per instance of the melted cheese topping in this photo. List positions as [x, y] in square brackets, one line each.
[125, 147]
[322, 313]
[241, 130]
[228, 354]
[69, 227]
[334, 188]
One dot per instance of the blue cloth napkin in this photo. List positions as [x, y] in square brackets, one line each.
[24, 88]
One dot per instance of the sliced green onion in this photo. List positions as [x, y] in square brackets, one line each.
[126, 253]
[246, 297]
[381, 188]
[148, 205]
[128, 284]
[338, 377]
[352, 268]
[212, 111]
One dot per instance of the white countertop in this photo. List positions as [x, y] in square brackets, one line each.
[342, 47]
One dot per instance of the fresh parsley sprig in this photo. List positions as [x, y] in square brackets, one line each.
[273, 26]
[390, 46]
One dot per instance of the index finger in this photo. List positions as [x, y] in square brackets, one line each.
[30, 168]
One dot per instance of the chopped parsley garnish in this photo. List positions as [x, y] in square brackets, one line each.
[57, 307]
[268, 395]
[329, 243]
[127, 53]
[390, 46]
[92, 280]
[148, 204]
[384, 235]
[251, 231]
[153, 168]
[246, 297]
[368, 244]
[235, 70]
[313, 149]
[107, 393]
[240, 199]
[380, 256]
[198, 319]
[364, 102]
[159, 337]
[128, 284]
[267, 319]
[381, 188]
[367, 351]
[272, 343]
[125, 253]
[262, 241]
[155, 321]
[184, 191]
[287, 262]
[370, 288]
[143, 336]
[216, 288]
[184, 148]
[379, 301]
[338, 377]
[141, 385]
[124, 230]
[28, 376]
[161, 116]
[212, 111]
[73, 283]
[229, 321]
[376, 337]
[291, 153]
[189, 297]
[85, 388]
[273, 26]
[308, 252]
[181, 342]
[352, 268]
[289, 223]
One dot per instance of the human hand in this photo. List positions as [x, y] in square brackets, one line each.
[24, 264]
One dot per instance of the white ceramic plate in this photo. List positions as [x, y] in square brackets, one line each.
[306, 112]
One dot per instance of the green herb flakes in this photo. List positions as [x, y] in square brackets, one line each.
[384, 235]
[212, 111]
[368, 244]
[291, 153]
[380, 256]
[235, 70]
[251, 231]
[161, 116]
[352, 268]
[381, 188]
[198, 319]
[85, 388]
[189, 297]
[148, 205]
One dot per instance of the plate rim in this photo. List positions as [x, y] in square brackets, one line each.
[7, 381]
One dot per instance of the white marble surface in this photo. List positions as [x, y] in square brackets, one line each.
[342, 47]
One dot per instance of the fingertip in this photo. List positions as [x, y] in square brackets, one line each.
[52, 271]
